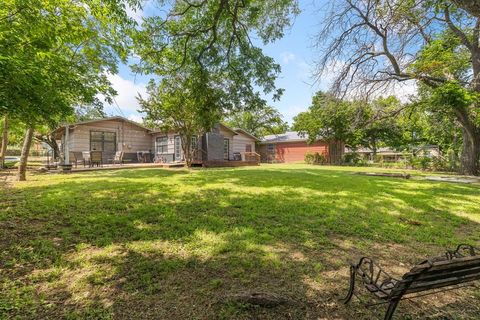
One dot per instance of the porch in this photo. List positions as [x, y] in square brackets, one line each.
[121, 166]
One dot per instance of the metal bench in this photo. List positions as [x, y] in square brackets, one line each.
[439, 274]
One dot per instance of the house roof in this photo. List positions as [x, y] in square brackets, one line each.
[72, 125]
[225, 127]
[248, 134]
[289, 136]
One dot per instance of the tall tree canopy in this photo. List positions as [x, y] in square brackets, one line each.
[55, 54]
[356, 123]
[376, 44]
[329, 118]
[212, 44]
[259, 122]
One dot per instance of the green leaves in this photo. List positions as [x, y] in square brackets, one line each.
[211, 42]
[259, 122]
[443, 58]
[55, 54]
[353, 122]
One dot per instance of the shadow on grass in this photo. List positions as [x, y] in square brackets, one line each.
[174, 244]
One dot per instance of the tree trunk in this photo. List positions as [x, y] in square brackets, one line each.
[470, 158]
[22, 168]
[52, 143]
[187, 149]
[3, 149]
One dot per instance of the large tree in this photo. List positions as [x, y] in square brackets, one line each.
[259, 122]
[179, 105]
[329, 118]
[376, 44]
[355, 122]
[210, 44]
[55, 54]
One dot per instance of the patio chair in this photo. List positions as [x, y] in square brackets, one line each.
[86, 158]
[96, 158]
[74, 160]
[117, 158]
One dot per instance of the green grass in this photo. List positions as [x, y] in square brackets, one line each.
[175, 244]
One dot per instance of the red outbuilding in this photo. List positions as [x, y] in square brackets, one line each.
[292, 147]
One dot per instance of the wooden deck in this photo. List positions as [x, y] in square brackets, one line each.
[205, 164]
[126, 166]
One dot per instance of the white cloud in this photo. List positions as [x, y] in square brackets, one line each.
[287, 57]
[406, 90]
[127, 93]
[135, 13]
[304, 72]
[136, 117]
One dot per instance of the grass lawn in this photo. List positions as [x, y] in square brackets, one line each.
[178, 244]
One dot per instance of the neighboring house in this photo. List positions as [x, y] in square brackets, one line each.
[292, 147]
[387, 154]
[120, 134]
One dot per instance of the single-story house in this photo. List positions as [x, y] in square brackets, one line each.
[292, 147]
[140, 143]
[387, 154]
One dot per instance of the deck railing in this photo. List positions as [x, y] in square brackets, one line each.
[251, 157]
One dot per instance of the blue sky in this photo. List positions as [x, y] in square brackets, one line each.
[294, 53]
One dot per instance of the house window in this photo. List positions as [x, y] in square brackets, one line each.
[162, 145]
[248, 148]
[226, 149]
[194, 143]
[103, 141]
[271, 148]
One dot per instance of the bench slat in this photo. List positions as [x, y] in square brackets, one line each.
[422, 286]
[398, 291]
[442, 265]
[445, 274]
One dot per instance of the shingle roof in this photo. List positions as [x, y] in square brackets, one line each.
[289, 136]
[240, 130]
[119, 118]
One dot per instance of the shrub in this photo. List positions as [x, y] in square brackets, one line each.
[354, 158]
[440, 164]
[315, 158]
[424, 162]
[309, 157]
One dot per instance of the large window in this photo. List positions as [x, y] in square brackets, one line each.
[271, 148]
[162, 145]
[226, 149]
[103, 141]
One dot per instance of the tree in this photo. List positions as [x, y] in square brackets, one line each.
[43, 133]
[259, 122]
[209, 42]
[377, 124]
[176, 105]
[329, 118]
[356, 123]
[378, 44]
[56, 54]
